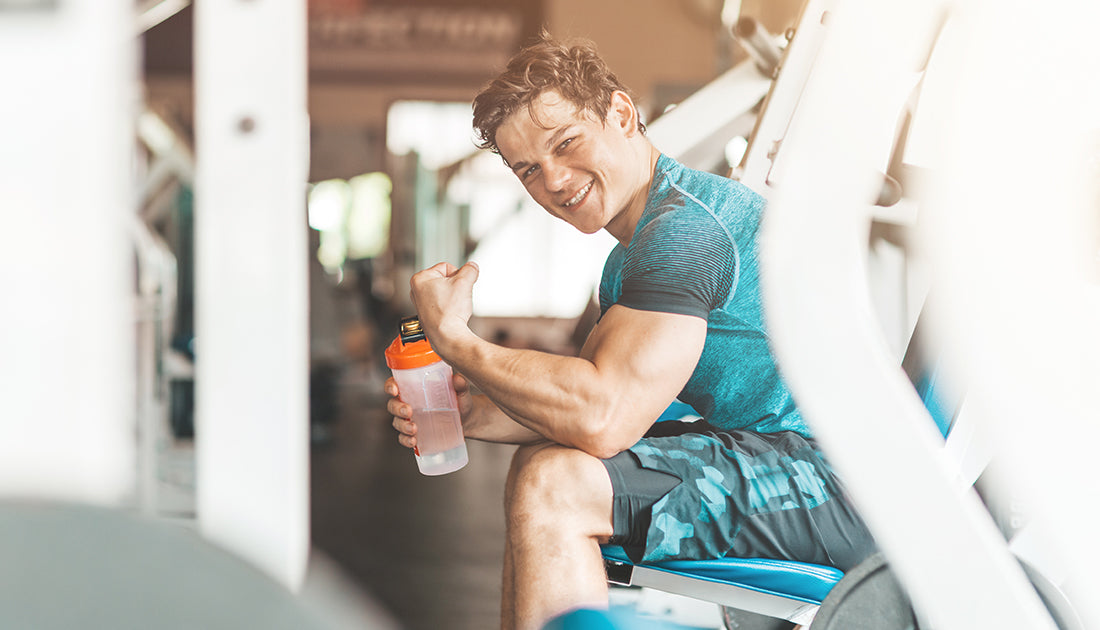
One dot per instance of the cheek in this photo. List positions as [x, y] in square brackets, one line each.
[603, 160]
[538, 194]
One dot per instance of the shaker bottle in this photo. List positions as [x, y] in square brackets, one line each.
[424, 383]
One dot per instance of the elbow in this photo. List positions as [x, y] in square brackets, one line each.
[602, 441]
[604, 450]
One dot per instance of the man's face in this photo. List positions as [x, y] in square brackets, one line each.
[571, 162]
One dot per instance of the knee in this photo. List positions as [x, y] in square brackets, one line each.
[547, 482]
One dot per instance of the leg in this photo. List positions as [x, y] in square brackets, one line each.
[767, 496]
[558, 509]
[507, 591]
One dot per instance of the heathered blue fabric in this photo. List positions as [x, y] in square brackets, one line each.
[694, 252]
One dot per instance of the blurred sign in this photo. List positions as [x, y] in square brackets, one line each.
[414, 41]
[459, 42]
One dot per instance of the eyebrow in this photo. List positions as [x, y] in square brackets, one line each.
[556, 136]
[550, 142]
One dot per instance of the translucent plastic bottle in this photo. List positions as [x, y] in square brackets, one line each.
[424, 383]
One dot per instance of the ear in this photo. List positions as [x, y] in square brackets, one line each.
[622, 113]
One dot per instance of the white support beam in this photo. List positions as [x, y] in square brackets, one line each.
[1015, 229]
[66, 273]
[696, 120]
[940, 542]
[796, 65]
[251, 294]
[153, 12]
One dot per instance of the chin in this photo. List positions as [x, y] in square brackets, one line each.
[586, 228]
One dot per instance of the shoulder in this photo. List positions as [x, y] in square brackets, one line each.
[721, 196]
[688, 240]
[678, 221]
[681, 259]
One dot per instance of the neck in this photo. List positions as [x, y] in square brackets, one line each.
[622, 227]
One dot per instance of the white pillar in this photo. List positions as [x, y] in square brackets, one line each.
[941, 543]
[68, 77]
[251, 330]
[1016, 235]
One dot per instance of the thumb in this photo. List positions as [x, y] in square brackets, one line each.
[467, 273]
[461, 384]
[444, 269]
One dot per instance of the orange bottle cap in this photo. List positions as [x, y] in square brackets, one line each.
[409, 356]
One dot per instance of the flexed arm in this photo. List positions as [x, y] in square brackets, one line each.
[632, 366]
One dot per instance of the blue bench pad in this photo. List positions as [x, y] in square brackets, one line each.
[795, 580]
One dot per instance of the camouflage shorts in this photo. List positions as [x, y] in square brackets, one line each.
[739, 493]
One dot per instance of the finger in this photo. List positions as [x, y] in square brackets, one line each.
[427, 276]
[444, 269]
[467, 273]
[390, 387]
[406, 441]
[404, 426]
[398, 409]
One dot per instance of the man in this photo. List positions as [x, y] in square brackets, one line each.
[681, 317]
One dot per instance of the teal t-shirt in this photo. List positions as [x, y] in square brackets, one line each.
[694, 252]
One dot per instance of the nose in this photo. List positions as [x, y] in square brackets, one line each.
[555, 175]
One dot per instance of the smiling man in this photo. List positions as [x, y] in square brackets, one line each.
[680, 318]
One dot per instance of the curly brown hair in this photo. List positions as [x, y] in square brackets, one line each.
[575, 71]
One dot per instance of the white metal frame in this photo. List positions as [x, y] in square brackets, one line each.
[795, 66]
[1019, 247]
[839, 367]
[682, 132]
[67, 337]
[252, 367]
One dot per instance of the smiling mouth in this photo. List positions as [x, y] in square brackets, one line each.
[580, 195]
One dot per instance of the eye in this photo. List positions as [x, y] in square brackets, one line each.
[565, 143]
[530, 171]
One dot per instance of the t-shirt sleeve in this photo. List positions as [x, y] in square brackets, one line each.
[609, 281]
[679, 266]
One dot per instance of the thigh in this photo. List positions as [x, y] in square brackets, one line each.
[635, 490]
[749, 495]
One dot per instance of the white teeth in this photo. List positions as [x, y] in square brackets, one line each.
[578, 196]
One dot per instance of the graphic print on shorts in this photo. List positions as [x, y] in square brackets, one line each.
[727, 478]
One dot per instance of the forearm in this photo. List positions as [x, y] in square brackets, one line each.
[487, 422]
[556, 397]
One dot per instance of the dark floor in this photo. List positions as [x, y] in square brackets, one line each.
[428, 549]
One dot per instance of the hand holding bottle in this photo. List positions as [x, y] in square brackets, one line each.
[424, 383]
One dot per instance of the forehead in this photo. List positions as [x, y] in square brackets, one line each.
[546, 113]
